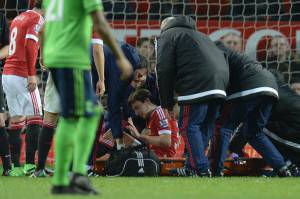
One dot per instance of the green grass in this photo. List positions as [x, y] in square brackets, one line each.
[163, 187]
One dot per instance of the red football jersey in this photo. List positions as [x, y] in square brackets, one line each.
[25, 26]
[158, 125]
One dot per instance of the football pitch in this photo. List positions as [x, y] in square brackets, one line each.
[161, 188]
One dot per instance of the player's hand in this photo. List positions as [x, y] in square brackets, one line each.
[125, 67]
[41, 62]
[31, 83]
[133, 129]
[100, 88]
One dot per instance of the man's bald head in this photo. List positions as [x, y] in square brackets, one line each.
[165, 22]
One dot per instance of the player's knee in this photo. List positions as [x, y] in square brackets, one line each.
[2, 120]
[34, 120]
[50, 118]
[17, 119]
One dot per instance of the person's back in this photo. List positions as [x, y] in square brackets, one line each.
[194, 55]
[25, 26]
[247, 77]
[285, 118]
[68, 34]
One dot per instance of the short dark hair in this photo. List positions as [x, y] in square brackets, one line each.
[38, 4]
[139, 95]
[143, 62]
[141, 40]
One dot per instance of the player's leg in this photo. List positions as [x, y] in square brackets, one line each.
[237, 114]
[90, 167]
[4, 146]
[254, 134]
[51, 114]
[209, 122]
[66, 128]
[17, 121]
[89, 111]
[191, 119]
[75, 131]
[32, 109]
[45, 141]
[116, 89]
[16, 126]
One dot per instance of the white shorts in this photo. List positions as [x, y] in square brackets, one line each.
[51, 98]
[20, 101]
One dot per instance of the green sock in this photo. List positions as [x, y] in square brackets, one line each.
[64, 143]
[84, 140]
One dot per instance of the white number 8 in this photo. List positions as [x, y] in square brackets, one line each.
[12, 43]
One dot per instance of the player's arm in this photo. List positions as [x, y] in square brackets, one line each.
[31, 53]
[102, 27]
[98, 55]
[41, 43]
[4, 52]
[5, 39]
[161, 140]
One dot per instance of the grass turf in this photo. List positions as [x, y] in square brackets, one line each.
[163, 187]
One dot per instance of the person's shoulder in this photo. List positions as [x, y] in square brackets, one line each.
[159, 113]
[34, 17]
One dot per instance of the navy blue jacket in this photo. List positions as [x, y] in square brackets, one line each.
[117, 90]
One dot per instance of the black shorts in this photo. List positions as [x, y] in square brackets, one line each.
[75, 90]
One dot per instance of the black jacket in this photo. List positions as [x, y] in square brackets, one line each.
[4, 33]
[285, 118]
[247, 77]
[190, 64]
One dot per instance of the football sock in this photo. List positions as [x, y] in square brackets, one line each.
[44, 144]
[4, 149]
[64, 143]
[32, 135]
[15, 142]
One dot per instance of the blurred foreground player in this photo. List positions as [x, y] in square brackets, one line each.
[68, 31]
[52, 108]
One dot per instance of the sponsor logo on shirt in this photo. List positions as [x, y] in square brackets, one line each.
[164, 123]
[37, 28]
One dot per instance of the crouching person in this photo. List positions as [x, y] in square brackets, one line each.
[161, 130]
